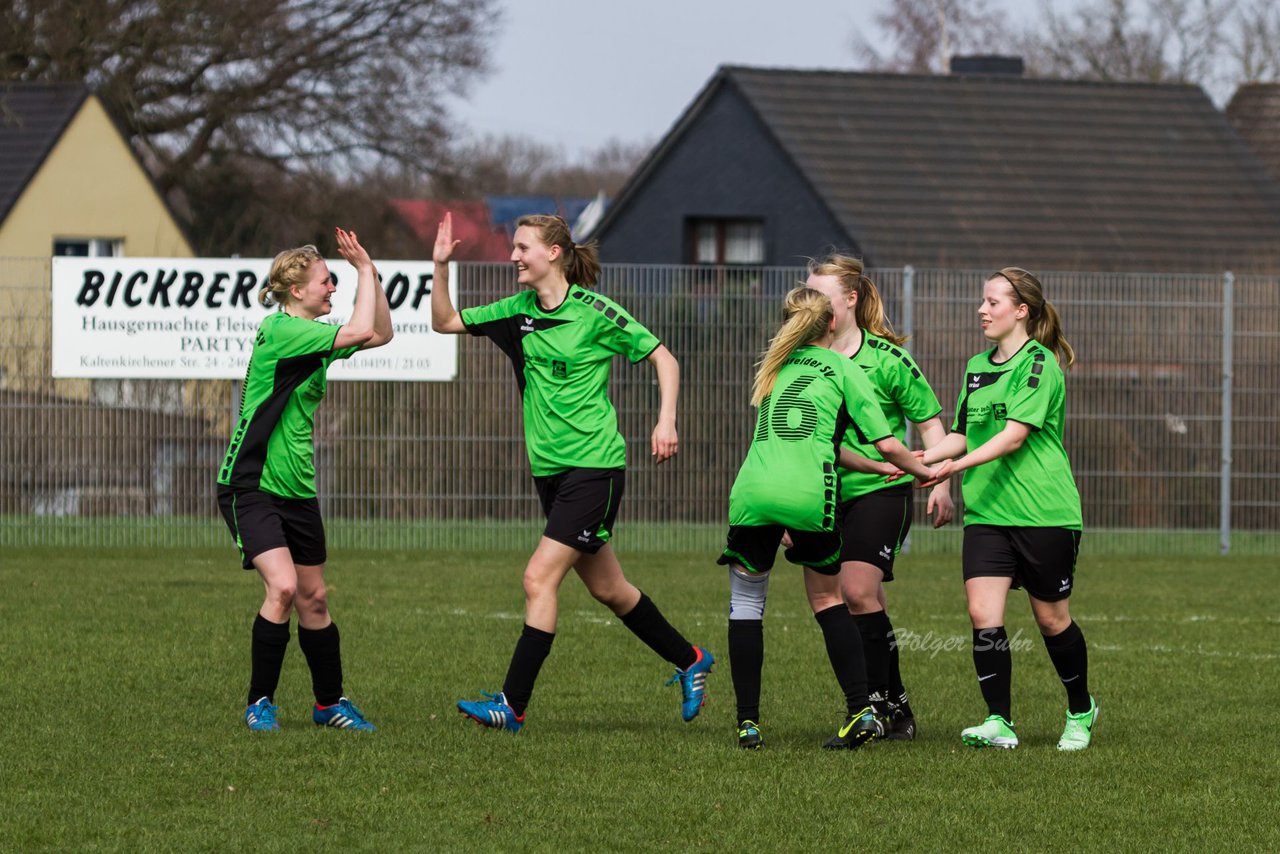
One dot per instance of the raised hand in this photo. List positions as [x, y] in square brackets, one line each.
[349, 247]
[445, 244]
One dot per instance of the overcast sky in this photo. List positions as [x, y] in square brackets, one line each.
[576, 73]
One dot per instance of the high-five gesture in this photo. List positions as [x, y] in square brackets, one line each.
[445, 244]
[444, 317]
[349, 247]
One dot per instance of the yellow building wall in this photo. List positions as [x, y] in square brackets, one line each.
[89, 186]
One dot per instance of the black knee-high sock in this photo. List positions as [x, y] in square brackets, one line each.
[323, 650]
[532, 649]
[844, 648]
[746, 660]
[1070, 657]
[874, 629]
[897, 692]
[266, 656]
[648, 624]
[994, 663]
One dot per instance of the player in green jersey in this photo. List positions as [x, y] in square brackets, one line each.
[874, 515]
[1022, 509]
[807, 397]
[561, 339]
[266, 484]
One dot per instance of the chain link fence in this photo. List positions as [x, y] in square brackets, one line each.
[1171, 419]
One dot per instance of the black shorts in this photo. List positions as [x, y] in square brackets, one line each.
[260, 522]
[874, 525]
[754, 547]
[581, 506]
[1042, 560]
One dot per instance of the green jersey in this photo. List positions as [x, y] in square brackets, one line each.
[271, 446]
[903, 395]
[561, 357]
[1031, 487]
[788, 477]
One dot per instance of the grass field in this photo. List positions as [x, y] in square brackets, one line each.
[123, 676]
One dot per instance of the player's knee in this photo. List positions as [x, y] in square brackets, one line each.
[315, 602]
[747, 594]
[283, 594]
[861, 600]
[537, 584]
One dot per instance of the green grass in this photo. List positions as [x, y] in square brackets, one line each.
[123, 674]
[161, 532]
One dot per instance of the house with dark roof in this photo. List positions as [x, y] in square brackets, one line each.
[70, 184]
[771, 166]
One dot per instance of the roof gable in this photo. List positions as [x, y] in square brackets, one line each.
[33, 117]
[995, 170]
[983, 171]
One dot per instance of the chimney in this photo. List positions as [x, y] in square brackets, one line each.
[989, 65]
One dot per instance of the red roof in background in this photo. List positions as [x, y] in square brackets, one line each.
[481, 241]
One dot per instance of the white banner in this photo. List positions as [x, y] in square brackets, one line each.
[195, 318]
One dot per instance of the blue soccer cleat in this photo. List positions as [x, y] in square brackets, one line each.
[494, 712]
[693, 683]
[343, 715]
[261, 716]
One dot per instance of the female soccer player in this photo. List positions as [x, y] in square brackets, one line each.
[1022, 510]
[561, 339]
[874, 515]
[807, 395]
[267, 485]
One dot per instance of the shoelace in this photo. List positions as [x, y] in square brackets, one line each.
[266, 713]
[351, 710]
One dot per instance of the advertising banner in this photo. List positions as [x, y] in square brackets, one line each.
[195, 318]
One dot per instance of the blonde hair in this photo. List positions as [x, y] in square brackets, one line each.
[580, 262]
[289, 269]
[1043, 323]
[869, 312]
[806, 317]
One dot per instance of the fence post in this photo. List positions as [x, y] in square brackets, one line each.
[1228, 373]
[908, 329]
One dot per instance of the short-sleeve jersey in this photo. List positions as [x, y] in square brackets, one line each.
[1031, 487]
[903, 395]
[788, 477]
[561, 357]
[271, 448]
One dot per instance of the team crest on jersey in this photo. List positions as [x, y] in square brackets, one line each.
[559, 369]
[1000, 412]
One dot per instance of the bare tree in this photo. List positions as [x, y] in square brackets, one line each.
[1255, 47]
[226, 94]
[506, 164]
[274, 80]
[1157, 41]
[923, 35]
[1216, 44]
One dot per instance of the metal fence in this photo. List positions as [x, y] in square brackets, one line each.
[1171, 419]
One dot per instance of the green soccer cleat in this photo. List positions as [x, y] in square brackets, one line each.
[749, 737]
[1078, 733]
[857, 730]
[995, 731]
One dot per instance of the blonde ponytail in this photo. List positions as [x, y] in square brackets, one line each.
[869, 312]
[806, 317]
